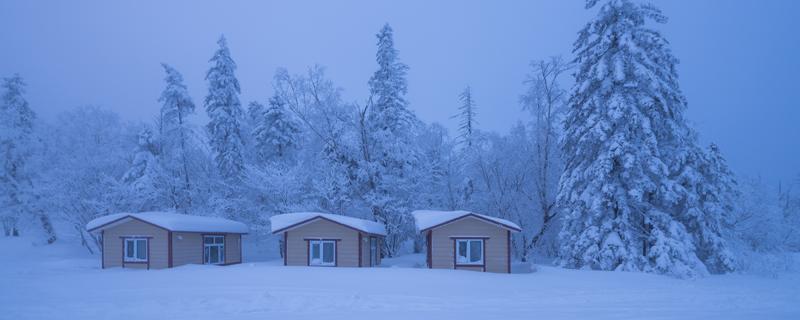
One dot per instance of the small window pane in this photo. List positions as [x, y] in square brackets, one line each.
[129, 248]
[315, 250]
[141, 249]
[208, 240]
[327, 252]
[219, 240]
[476, 251]
[462, 249]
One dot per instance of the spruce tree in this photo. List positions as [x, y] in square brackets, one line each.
[18, 196]
[176, 106]
[276, 132]
[624, 124]
[225, 111]
[466, 117]
[390, 126]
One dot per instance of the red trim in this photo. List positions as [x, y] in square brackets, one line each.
[308, 252]
[285, 247]
[508, 247]
[241, 244]
[429, 256]
[169, 249]
[148, 254]
[122, 252]
[102, 249]
[335, 252]
[483, 254]
[323, 218]
[454, 254]
[474, 216]
[360, 248]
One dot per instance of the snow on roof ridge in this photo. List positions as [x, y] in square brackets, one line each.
[426, 219]
[173, 221]
[283, 221]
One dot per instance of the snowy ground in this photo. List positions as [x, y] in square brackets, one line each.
[62, 282]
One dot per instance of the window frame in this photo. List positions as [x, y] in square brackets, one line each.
[207, 248]
[469, 241]
[136, 249]
[321, 261]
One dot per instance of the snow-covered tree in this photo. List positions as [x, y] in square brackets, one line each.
[145, 179]
[467, 117]
[276, 133]
[389, 128]
[225, 113]
[624, 125]
[19, 198]
[546, 100]
[177, 135]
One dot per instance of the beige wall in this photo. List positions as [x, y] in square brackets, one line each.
[495, 256]
[233, 252]
[187, 247]
[112, 244]
[346, 247]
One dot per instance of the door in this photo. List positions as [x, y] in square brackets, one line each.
[213, 249]
[373, 251]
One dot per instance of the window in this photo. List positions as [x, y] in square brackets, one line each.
[322, 252]
[213, 249]
[135, 249]
[469, 251]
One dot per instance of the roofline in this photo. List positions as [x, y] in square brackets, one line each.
[284, 229]
[474, 215]
[152, 224]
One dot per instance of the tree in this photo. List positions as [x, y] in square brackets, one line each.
[466, 117]
[19, 198]
[176, 107]
[624, 124]
[276, 133]
[225, 111]
[389, 151]
[546, 100]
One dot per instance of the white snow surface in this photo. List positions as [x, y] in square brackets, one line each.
[177, 222]
[429, 218]
[282, 221]
[62, 281]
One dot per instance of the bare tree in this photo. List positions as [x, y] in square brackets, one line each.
[545, 100]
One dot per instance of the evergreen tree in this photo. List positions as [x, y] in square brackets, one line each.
[623, 127]
[466, 117]
[176, 106]
[390, 127]
[144, 178]
[18, 197]
[276, 133]
[225, 111]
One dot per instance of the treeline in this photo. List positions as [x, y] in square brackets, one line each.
[606, 175]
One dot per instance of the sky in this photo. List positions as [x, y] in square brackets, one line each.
[739, 59]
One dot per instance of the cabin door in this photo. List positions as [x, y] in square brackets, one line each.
[373, 251]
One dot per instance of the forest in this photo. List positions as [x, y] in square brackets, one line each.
[605, 173]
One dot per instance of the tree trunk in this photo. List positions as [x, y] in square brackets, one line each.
[48, 227]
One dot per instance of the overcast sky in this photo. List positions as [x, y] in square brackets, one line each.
[739, 59]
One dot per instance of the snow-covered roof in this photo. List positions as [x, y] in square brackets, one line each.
[286, 221]
[170, 221]
[427, 219]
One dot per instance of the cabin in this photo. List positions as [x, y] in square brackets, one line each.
[464, 240]
[328, 240]
[157, 240]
